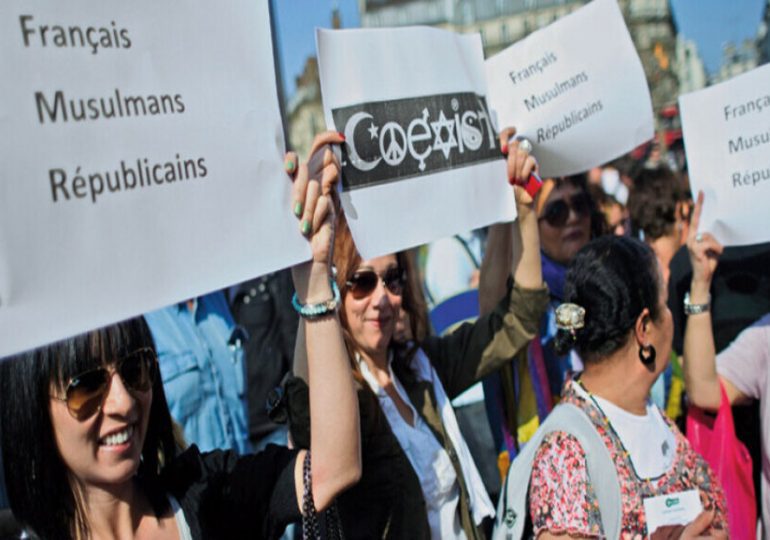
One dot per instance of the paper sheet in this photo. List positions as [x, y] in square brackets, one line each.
[727, 136]
[141, 161]
[421, 159]
[576, 89]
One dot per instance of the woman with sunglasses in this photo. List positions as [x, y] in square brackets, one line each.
[419, 480]
[88, 444]
[521, 394]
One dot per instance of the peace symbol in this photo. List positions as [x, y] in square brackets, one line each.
[392, 143]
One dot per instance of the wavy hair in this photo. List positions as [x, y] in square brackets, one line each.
[346, 262]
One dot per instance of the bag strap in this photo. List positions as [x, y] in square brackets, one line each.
[467, 248]
[512, 509]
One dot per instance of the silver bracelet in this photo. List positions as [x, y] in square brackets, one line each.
[695, 309]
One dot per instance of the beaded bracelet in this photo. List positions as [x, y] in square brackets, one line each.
[315, 311]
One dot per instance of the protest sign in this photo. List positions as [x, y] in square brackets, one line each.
[726, 131]
[576, 89]
[141, 162]
[421, 159]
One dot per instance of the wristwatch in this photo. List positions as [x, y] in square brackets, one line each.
[695, 309]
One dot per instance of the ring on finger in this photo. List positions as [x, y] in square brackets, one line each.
[525, 145]
[699, 237]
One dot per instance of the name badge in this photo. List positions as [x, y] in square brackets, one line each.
[678, 508]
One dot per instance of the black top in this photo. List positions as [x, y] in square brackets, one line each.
[226, 495]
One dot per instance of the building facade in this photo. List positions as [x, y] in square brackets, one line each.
[503, 22]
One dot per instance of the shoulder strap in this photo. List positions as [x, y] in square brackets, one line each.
[467, 248]
[512, 508]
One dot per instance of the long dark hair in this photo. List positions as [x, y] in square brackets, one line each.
[41, 494]
[613, 278]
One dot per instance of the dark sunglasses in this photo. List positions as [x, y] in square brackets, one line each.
[557, 212]
[85, 392]
[363, 282]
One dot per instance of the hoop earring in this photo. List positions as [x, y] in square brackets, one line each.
[647, 356]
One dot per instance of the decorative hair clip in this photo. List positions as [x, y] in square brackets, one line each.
[570, 317]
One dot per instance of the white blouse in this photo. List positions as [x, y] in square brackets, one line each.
[428, 459]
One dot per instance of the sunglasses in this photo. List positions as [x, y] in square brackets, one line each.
[556, 214]
[85, 392]
[363, 282]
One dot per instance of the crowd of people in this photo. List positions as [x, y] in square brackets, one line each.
[319, 402]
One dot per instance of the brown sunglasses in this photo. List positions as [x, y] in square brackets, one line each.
[85, 392]
[363, 282]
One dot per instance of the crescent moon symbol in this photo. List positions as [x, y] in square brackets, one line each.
[355, 159]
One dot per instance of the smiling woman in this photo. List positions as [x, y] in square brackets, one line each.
[88, 443]
[418, 478]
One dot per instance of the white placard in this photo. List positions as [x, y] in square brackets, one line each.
[576, 89]
[421, 159]
[141, 160]
[726, 131]
[679, 508]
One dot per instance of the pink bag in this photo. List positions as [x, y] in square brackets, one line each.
[715, 440]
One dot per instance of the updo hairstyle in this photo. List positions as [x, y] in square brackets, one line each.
[613, 278]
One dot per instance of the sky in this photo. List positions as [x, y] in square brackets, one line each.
[295, 23]
[710, 23]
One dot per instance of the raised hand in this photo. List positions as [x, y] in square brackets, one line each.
[314, 193]
[704, 252]
[520, 165]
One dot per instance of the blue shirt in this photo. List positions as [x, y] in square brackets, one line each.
[201, 362]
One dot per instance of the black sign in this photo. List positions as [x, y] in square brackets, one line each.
[393, 140]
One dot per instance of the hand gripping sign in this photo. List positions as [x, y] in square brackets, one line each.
[421, 159]
[141, 161]
[561, 86]
[726, 131]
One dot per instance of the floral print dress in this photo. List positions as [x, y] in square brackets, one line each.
[562, 499]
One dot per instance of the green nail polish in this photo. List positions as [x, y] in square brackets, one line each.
[290, 165]
[305, 227]
[298, 209]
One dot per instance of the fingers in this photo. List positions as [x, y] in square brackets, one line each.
[299, 189]
[698, 525]
[520, 163]
[324, 210]
[290, 163]
[505, 136]
[315, 178]
[312, 194]
[695, 220]
[327, 137]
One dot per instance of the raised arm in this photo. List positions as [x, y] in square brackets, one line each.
[512, 248]
[700, 371]
[321, 358]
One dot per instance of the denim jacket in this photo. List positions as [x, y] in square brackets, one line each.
[200, 353]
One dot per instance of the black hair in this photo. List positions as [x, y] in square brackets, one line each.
[653, 202]
[580, 181]
[40, 492]
[613, 278]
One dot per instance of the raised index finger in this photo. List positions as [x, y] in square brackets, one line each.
[695, 220]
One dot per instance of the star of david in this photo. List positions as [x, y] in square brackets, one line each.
[439, 143]
[373, 131]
